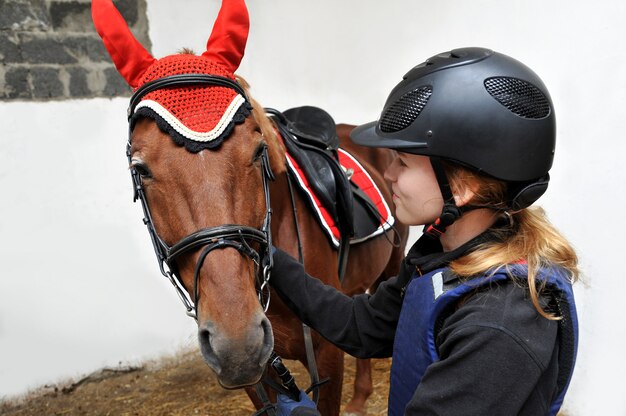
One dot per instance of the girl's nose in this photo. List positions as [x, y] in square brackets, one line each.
[390, 172]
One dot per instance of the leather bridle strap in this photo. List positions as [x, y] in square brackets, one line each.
[219, 237]
[215, 234]
[183, 80]
[306, 330]
[223, 236]
[219, 243]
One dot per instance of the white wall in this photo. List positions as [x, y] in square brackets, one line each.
[80, 288]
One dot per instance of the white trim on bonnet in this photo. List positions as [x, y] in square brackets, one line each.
[183, 130]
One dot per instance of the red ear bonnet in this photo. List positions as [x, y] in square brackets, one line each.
[227, 42]
[199, 117]
[130, 58]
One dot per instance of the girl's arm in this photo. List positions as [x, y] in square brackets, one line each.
[364, 325]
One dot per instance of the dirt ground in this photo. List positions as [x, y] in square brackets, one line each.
[177, 385]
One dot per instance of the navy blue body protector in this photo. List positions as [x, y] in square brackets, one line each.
[427, 300]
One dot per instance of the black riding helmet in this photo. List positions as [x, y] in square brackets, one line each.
[481, 109]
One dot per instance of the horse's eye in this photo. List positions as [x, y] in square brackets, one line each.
[258, 153]
[142, 170]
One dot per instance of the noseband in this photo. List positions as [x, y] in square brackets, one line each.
[211, 238]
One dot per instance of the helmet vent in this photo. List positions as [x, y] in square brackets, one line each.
[403, 112]
[520, 97]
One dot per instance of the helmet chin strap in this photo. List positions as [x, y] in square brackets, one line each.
[450, 212]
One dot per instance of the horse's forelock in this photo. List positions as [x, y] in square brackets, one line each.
[186, 51]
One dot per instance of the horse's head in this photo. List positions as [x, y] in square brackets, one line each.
[199, 165]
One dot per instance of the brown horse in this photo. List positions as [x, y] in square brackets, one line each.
[216, 185]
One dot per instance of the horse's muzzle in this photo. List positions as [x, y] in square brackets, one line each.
[237, 360]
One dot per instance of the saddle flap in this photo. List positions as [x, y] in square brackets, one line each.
[371, 215]
[327, 179]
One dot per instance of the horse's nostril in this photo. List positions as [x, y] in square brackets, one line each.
[204, 337]
[268, 341]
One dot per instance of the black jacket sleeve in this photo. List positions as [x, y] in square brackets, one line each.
[363, 325]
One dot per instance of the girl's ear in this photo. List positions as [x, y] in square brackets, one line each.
[464, 194]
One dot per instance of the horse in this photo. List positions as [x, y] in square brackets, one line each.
[210, 169]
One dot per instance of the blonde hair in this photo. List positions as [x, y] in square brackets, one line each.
[530, 238]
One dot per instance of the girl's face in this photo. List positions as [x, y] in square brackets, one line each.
[416, 193]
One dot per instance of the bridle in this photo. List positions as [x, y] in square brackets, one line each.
[234, 236]
[222, 236]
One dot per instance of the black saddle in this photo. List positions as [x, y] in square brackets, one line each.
[312, 125]
[310, 136]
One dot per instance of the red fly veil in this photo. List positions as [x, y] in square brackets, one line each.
[198, 117]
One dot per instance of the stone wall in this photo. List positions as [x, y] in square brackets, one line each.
[49, 50]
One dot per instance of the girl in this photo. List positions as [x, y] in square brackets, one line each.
[481, 319]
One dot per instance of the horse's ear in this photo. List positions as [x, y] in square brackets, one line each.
[227, 42]
[130, 58]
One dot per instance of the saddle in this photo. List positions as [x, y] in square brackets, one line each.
[309, 134]
[314, 126]
[310, 138]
